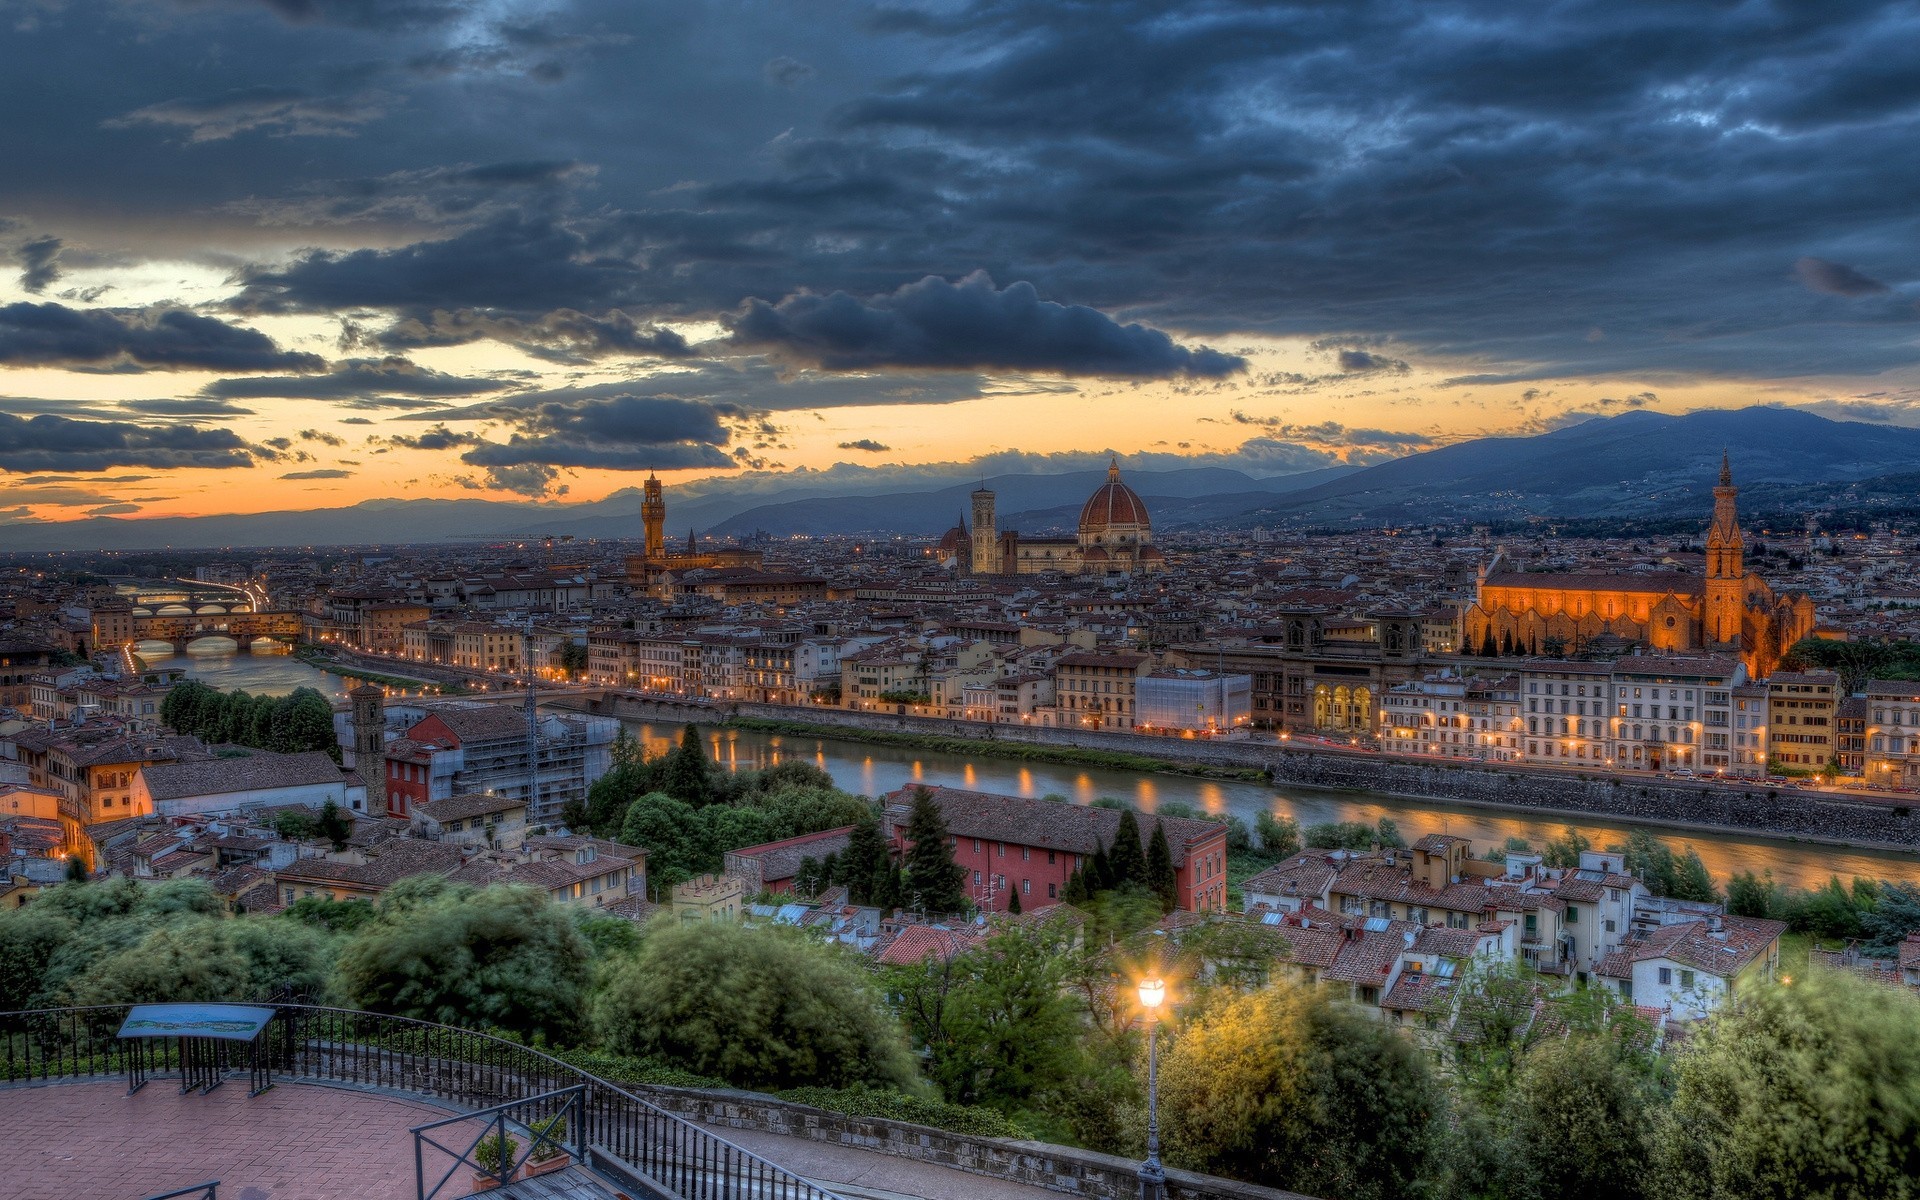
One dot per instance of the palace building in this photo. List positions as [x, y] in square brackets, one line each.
[1729, 610]
[656, 565]
[1115, 537]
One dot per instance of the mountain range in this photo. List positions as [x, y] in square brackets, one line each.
[1636, 464]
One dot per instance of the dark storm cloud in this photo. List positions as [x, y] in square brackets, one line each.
[50, 443]
[281, 112]
[563, 336]
[54, 335]
[39, 263]
[437, 438]
[866, 444]
[1365, 362]
[383, 15]
[372, 381]
[449, 196]
[969, 324]
[1836, 279]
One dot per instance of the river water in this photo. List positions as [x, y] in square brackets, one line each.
[871, 770]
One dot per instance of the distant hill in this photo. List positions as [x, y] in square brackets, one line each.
[1636, 464]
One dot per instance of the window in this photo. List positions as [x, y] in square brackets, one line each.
[1666, 976]
[1025, 853]
[1049, 857]
[1686, 979]
[1053, 891]
[1610, 928]
[1573, 914]
[1026, 887]
[976, 879]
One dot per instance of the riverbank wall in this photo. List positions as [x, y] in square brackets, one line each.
[1830, 817]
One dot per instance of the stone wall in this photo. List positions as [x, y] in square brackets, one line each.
[1058, 1168]
[1789, 812]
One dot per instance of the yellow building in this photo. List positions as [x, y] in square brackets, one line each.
[1802, 718]
[708, 898]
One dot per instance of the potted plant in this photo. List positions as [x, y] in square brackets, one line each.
[549, 1155]
[494, 1155]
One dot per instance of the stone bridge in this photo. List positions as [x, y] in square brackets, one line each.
[242, 627]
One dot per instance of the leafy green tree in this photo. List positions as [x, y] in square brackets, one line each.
[334, 916]
[502, 958]
[1279, 836]
[1832, 910]
[29, 938]
[1341, 835]
[1565, 850]
[1290, 1088]
[995, 1021]
[295, 824]
[1126, 857]
[1576, 1120]
[1160, 877]
[76, 871]
[1751, 895]
[1652, 860]
[758, 1007]
[1895, 914]
[1810, 1090]
[1692, 880]
[934, 882]
[865, 860]
[807, 877]
[1387, 831]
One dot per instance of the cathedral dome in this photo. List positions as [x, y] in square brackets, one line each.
[1114, 511]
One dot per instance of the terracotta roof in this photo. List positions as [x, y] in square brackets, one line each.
[781, 860]
[1662, 583]
[1049, 824]
[386, 865]
[258, 770]
[917, 943]
[474, 804]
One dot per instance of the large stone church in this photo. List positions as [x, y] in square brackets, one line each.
[1115, 537]
[1730, 610]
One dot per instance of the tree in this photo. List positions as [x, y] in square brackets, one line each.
[864, 861]
[76, 871]
[1291, 1088]
[933, 880]
[334, 916]
[1894, 915]
[671, 833]
[1576, 1119]
[1750, 895]
[687, 776]
[1652, 860]
[1160, 877]
[501, 958]
[1279, 836]
[1387, 831]
[1692, 880]
[997, 1027]
[1808, 1090]
[1565, 850]
[760, 1008]
[295, 824]
[1013, 901]
[335, 825]
[1126, 857]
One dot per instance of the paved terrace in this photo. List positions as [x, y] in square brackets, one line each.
[304, 1141]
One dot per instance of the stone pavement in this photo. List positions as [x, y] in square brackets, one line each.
[866, 1175]
[296, 1142]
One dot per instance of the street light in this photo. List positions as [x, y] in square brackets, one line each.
[1153, 1177]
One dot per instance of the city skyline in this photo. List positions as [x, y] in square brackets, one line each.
[284, 255]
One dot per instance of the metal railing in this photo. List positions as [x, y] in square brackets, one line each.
[657, 1151]
[545, 1128]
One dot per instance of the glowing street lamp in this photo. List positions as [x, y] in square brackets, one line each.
[1153, 1176]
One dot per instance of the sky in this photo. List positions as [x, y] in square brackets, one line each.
[293, 254]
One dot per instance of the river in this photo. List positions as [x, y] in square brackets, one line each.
[871, 770]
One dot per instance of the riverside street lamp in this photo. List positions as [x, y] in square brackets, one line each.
[1153, 1177]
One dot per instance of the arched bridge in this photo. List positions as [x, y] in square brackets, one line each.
[242, 627]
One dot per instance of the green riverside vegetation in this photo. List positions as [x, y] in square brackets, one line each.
[1029, 1030]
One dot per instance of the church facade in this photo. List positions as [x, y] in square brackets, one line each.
[1729, 610]
[1115, 537]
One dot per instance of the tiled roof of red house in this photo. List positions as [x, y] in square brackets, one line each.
[1049, 824]
[781, 860]
[917, 943]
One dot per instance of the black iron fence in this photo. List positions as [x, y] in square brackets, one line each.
[494, 1152]
[655, 1151]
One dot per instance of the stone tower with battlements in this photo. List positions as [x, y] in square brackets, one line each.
[653, 515]
[986, 544]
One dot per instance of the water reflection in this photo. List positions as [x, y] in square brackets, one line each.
[871, 770]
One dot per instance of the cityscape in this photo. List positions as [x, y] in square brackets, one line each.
[968, 600]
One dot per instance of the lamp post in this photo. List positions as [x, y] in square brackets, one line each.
[1153, 1177]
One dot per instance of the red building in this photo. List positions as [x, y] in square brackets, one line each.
[771, 867]
[1007, 844]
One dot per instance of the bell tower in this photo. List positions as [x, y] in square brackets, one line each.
[986, 546]
[1726, 590]
[369, 724]
[653, 515]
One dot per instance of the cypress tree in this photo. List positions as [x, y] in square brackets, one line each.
[1160, 877]
[686, 775]
[1099, 872]
[864, 862]
[830, 871]
[932, 879]
[1075, 891]
[1013, 901]
[806, 877]
[1126, 859]
[1487, 647]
